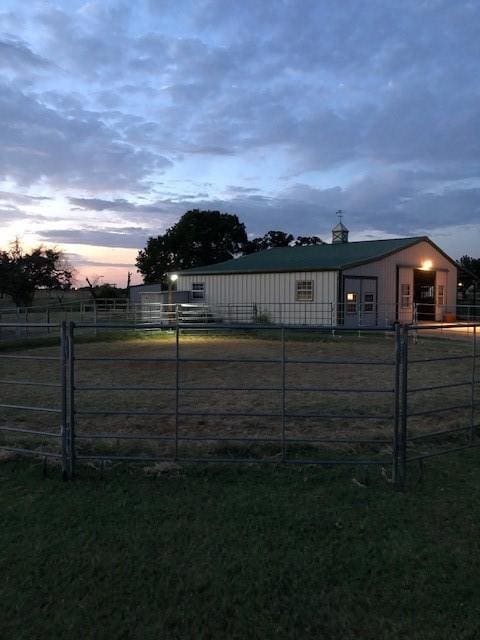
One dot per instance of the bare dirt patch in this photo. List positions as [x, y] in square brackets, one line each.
[230, 387]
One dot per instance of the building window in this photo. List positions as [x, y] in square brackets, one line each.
[198, 291]
[352, 302]
[304, 291]
[369, 300]
[405, 296]
[441, 294]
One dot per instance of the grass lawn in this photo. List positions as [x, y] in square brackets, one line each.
[239, 552]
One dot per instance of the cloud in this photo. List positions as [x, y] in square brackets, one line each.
[80, 261]
[327, 84]
[42, 143]
[11, 214]
[126, 237]
[119, 204]
[288, 114]
[8, 196]
[156, 215]
[15, 55]
[398, 203]
[89, 43]
[239, 189]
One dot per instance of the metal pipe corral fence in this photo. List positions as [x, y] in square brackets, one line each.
[32, 321]
[288, 430]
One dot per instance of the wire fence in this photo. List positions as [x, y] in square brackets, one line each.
[242, 393]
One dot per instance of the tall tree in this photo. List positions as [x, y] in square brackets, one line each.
[274, 239]
[270, 240]
[197, 239]
[471, 264]
[22, 273]
[469, 275]
[305, 241]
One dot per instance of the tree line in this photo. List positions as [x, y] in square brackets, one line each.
[206, 237]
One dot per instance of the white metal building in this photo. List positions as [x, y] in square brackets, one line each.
[344, 283]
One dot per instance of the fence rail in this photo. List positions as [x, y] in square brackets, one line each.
[33, 321]
[396, 444]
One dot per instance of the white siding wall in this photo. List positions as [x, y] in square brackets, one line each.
[412, 257]
[150, 297]
[271, 295]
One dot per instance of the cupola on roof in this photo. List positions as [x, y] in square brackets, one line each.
[339, 231]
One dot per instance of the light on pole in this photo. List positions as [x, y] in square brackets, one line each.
[173, 277]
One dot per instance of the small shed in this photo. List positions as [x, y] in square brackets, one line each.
[368, 283]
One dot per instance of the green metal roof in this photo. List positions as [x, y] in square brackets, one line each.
[322, 257]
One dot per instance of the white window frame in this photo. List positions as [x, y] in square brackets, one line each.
[351, 302]
[198, 291]
[441, 294]
[368, 302]
[405, 295]
[304, 291]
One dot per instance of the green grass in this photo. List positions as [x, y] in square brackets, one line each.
[239, 552]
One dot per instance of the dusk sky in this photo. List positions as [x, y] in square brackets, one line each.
[117, 117]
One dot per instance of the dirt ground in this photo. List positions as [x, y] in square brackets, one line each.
[338, 388]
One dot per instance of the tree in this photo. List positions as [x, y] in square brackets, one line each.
[206, 237]
[274, 239]
[305, 241]
[469, 275]
[21, 273]
[270, 240]
[471, 265]
[197, 239]
[104, 290]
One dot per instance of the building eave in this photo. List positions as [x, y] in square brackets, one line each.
[185, 274]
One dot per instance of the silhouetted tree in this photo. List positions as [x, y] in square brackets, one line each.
[197, 239]
[270, 240]
[206, 237]
[22, 273]
[469, 275]
[274, 239]
[305, 241]
[104, 290]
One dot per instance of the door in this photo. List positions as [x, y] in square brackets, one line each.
[424, 294]
[359, 302]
